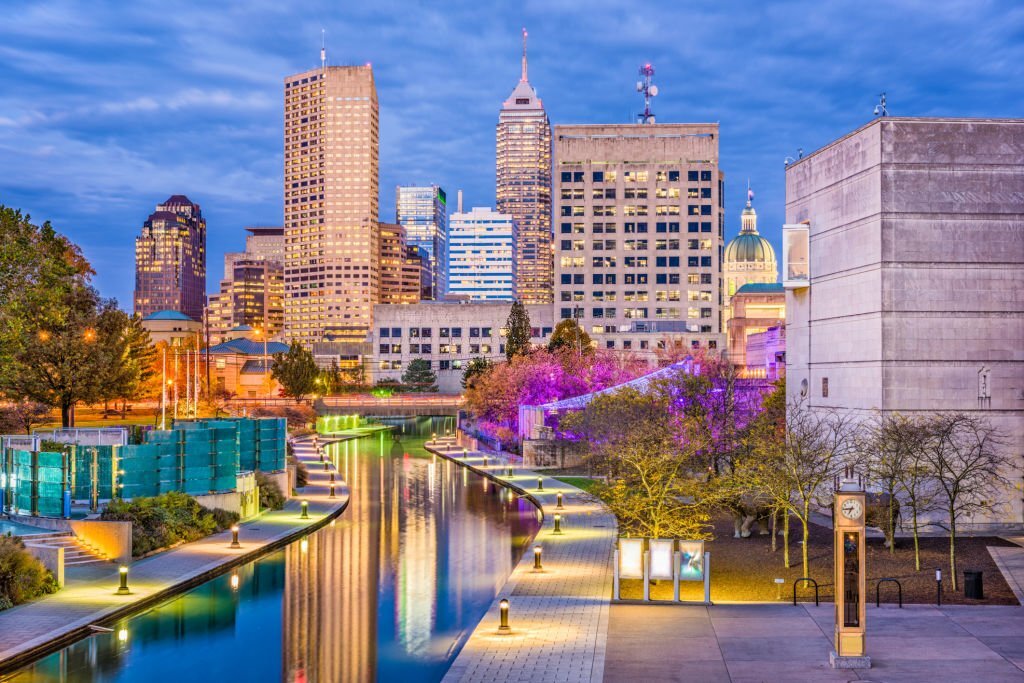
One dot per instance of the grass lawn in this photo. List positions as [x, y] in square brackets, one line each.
[583, 483]
[744, 569]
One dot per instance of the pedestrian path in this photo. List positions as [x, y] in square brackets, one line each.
[29, 630]
[1010, 561]
[558, 617]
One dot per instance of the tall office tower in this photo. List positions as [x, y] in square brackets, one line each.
[417, 259]
[423, 212]
[252, 290]
[399, 275]
[331, 147]
[524, 186]
[482, 264]
[639, 222]
[170, 260]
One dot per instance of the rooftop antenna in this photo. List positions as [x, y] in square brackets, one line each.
[649, 90]
[523, 77]
[323, 49]
[880, 109]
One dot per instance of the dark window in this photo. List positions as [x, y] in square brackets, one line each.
[396, 331]
[705, 176]
[598, 176]
[566, 176]
[566, 228]
[673, 176]
[598, 279]
[690, 175]
[705, 261]
[566, 313]
[566, 279]
[705, 210]
[692, 262]
[385, 332]
[577, 176]
[705, 227]
[692, 227]
[456, 331]
[824, 387]
[577, 279]
[474, 332]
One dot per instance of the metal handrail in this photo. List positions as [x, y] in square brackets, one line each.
[806, 578]
[878, 586]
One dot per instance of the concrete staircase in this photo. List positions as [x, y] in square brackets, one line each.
[76, 551]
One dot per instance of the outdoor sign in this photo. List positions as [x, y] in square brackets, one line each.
[691, 560]
[662, 550]
[631, 558]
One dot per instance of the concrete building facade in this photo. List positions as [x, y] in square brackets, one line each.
[523, 160]
[331, 195]
[170, 260]
[448, 335]
[482, 263]
[914, 302]
[756, 308]
[423, 212]
[638, 213]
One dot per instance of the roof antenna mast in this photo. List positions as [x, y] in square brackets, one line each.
[523, 77]
[649, 90]
[323, 49]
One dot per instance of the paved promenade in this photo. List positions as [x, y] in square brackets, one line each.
[559, 617]
[31, 629]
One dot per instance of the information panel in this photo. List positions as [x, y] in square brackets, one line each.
[691, 562]
[661, 558]
[631, 558]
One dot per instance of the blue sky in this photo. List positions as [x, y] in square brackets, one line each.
[107, 108]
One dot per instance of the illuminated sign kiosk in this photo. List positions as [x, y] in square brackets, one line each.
[850, 574]
[662, 562]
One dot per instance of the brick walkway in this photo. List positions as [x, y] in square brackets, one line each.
[559, 617]
[29, 630]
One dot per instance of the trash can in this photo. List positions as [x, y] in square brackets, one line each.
[973, 586]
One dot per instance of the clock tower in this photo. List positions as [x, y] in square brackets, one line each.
[850, 573]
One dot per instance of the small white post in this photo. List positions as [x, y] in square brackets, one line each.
[647, 576]
[615, 575]
[677, 561]
[707, 577]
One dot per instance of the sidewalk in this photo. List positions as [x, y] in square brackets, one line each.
[558, 617]
[29, 630]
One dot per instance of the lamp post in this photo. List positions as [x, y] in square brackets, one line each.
[540, 483]
[234, 537]
[305, 510]
[537, 550]
[558, 523]
[503, 626]
[558, 498]
[122, 589]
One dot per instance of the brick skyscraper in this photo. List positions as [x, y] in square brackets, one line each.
[524, 187]
[170, 260]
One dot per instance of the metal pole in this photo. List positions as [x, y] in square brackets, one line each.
[175, 380]
[163, 392]
[615, 575]
[707, 578]
[676, 568]
[647, 576]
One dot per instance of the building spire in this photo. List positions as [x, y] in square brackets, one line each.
[750, 193]
[523, 77]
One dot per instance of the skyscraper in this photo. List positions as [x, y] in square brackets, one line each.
[252, 291]
[170, 260]
[482, 263]
[524, 186]
[639, 220]
[331, 159]
[422, 211]
[400, 280]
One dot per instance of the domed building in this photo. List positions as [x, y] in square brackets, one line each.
[749, 258]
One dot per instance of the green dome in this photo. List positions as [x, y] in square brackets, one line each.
[749, 247]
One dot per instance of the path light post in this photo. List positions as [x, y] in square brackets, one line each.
[331, 495]
[485, 461]
[510, 471]
[558, 523]
[433, 437]
[123, 588]
[537, 550]
[503, 626]
[305, 510]
[327, 466]
[234, 537]
[465, 453]
[559, 499]
[938, 587]
[540, 483]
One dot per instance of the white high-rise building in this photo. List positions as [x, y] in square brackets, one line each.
[481, 260]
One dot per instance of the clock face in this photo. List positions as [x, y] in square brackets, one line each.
[852, 509]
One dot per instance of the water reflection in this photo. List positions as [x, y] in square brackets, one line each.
[389, 592]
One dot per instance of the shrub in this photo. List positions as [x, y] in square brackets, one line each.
[22, 576]
[164, 520]
[271, 496]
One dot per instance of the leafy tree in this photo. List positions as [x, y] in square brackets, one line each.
[475, 368]
[967, 460]
[331, 379]
[652, 479]
[517, 341]
[130, 360]
[295, 371]
[568, 335]
[419, 377]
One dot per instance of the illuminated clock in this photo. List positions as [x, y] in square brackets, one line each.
[852, 509]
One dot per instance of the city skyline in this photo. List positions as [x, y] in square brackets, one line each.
[758, 73]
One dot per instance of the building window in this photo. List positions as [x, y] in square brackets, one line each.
[824, 387]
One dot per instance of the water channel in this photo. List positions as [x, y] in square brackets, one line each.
[389, 592]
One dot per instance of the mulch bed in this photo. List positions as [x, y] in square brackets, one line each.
[744, 569]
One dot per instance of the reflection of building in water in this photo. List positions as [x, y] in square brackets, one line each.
[330, 595]
[416, 584]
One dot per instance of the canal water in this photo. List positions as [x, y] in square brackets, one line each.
[389, 592]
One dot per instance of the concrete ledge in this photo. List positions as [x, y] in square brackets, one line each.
[52, 558]
[837, 662]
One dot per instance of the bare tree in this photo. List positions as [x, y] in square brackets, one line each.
[966, 458]
[797, 472]
[916, 482]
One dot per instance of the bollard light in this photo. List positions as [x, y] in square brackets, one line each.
[938, 587]
[558, 523]
[503, 615]
[540, 483]
[320, 452]
[510, 470]
[433, 437]
[332, 477]
[536, 558]
[234, 582]
[559, 499]
[123, 588]
[305, 510]
[485, 461]
[327, 466]
[465, 453]
[332, 491]
[234, 537]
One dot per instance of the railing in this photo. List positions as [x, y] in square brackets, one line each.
[806, 578]
[878, 586]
